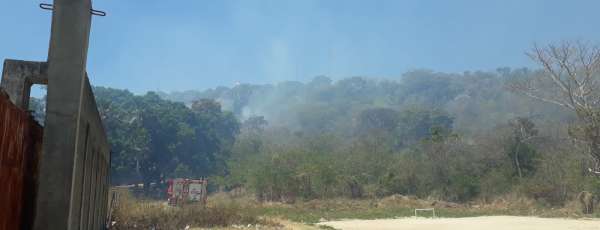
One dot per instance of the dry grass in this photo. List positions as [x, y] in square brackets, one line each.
[403, 206]
[142, 214]
[227, 212]
[512, 204]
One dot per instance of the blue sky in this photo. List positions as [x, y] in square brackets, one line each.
[198, 44]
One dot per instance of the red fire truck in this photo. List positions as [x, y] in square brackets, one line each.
[182, 191]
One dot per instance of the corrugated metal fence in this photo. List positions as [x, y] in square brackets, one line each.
[20, 146]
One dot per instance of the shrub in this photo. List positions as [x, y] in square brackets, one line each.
[143, 214]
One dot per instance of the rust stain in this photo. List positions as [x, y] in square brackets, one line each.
[20, 147]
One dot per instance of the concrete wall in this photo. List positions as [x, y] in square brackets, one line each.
[74, 187]
[92, 166]
[17, 78]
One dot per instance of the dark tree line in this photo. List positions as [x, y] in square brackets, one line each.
[152, 138]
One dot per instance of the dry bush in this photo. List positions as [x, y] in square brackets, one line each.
[515, 203]
[143, 214]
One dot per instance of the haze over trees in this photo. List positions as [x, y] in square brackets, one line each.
[450, 136]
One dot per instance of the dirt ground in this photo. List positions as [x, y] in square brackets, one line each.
[470, 223]
[284, 225]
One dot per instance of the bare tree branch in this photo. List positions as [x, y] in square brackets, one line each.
[571, 79]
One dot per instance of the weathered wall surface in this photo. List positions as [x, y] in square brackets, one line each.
[20, 146]
[92, 166]
[76, 183]
[18, 76]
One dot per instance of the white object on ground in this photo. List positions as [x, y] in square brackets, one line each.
[425, 209]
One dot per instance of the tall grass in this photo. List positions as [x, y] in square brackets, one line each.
[133, 213]
[223, 210]
[402, 206]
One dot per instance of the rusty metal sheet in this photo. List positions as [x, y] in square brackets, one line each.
[20, 146]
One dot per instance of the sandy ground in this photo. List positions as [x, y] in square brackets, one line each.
[285, 225]
[470, 223]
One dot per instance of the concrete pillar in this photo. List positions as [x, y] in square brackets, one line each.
[59, 197]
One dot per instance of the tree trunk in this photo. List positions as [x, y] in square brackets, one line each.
[517, 160]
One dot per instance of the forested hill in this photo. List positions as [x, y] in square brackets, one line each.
[454, 136]
[476, 101]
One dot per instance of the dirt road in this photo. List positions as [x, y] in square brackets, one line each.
[470, 223]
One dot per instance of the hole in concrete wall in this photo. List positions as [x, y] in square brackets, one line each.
[37, 102]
